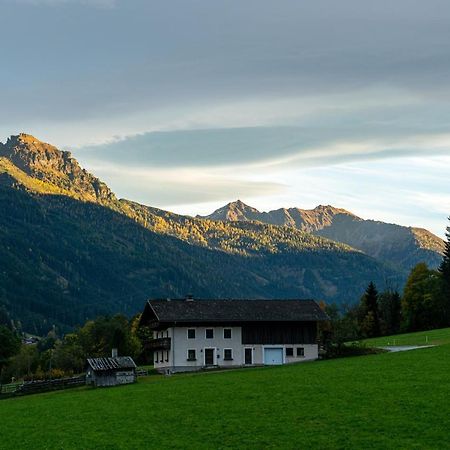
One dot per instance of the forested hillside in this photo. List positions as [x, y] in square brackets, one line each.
[69, 250]
[400, 247]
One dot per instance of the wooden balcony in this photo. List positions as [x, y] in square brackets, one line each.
[158, 344]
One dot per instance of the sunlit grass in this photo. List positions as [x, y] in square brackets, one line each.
[430, 337]
[380, 401]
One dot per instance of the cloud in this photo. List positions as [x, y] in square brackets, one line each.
[249, 99]
[247, 65]
[266, 148]
[92, 3]
[180, 186]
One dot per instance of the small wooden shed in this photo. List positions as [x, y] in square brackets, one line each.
[110, 371]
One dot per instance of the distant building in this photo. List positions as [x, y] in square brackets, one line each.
[110, 371]
[194, 334]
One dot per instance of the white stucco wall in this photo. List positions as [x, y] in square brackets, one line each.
[177, 357]
[181, 345]
[311, 352]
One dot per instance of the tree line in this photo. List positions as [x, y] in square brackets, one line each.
[424, 305]
[56, 357]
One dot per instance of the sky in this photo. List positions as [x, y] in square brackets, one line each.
[190, 104]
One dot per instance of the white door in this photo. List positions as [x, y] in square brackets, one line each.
[273, 356]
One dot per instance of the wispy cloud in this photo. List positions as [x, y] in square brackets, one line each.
[91, 3]
[279, 103]
[180, 186]
[266, 147]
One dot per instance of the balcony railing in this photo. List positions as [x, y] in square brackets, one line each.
[158, 344]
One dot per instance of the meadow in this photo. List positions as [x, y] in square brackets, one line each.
[390, 400]
[430, 337]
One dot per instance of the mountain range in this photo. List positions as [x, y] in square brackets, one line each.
[398, 246]
[71, 250]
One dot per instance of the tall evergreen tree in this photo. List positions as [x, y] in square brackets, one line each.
[389, 305]
[444, 270]
[368, 317]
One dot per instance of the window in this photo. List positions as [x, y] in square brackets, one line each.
[167, 356]
[227, 333]
[191, 333]
[191, 355]
[227, 354]
[155, 357]
[209, 333]
[290, 351]
[300, 351]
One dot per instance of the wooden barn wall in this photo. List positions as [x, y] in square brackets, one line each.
[305, 333]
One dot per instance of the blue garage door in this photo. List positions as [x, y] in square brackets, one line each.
[273, 356]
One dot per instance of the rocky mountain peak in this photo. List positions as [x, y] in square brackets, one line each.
[235, 211]
[51, 165]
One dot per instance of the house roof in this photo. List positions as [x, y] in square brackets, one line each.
[211, 311]
[118, 362]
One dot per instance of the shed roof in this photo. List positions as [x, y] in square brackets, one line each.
[211, 311]
[118, 362]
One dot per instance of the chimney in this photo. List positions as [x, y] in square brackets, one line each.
[114, 353]
[189, 298]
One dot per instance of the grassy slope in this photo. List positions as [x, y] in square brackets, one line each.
[430, 337]
[381, 401]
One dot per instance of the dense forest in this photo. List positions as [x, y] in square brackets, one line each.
[424, 305]
[398, 246]
[70, 250]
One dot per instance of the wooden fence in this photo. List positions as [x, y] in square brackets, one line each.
[35, 387]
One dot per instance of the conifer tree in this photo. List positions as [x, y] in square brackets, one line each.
[389, 304]
[369, 321]
[444, 270]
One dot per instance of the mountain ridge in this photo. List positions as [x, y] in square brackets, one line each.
[48, 164]
[71, 250]
[393, 244]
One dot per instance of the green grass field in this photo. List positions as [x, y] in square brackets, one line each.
[431, 337]
[388, 400]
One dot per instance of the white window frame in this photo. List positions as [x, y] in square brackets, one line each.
[206, 330]
[231, 333]
[229, 359]
[187, 354]
[187, 333]
[293, 352]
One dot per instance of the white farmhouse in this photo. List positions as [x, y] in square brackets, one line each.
[193, 334]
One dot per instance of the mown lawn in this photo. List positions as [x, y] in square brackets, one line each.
[431, 337]
[389, 400]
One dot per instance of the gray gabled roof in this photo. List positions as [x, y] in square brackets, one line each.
[235, 310]
[118, 362]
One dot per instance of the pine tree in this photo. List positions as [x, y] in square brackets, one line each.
[444, 270]
[369, 320]
[389, 304]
